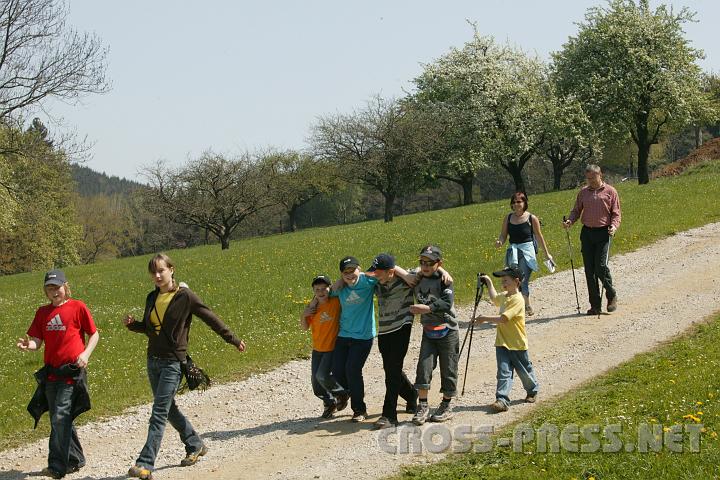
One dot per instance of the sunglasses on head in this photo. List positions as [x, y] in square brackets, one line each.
[427, 263]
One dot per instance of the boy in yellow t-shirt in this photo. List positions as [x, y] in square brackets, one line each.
[511, 345]
[322, 317]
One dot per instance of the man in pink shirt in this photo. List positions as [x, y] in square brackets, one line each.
[598, 207]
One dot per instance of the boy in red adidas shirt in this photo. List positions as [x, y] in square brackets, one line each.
[62, 325]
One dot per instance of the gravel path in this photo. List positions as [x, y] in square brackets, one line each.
[267, 426]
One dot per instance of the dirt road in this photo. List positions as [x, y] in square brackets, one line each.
[268, 427]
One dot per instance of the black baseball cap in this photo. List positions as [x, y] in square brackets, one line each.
[384, 261]
[321, 279]
[348, 261]
[55, 277]
[432, 252]
[513, 272]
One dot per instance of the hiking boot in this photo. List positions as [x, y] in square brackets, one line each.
[593, 311]
[421, 414]
[359, 417]
[531, 398]
[49, 472]
[136, 471]
[442, 413]
[499, 406]
[612, 304]
[329, 410]
[384, 422]
[341, 402]
[192, 458]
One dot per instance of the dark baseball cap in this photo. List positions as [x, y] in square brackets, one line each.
[384, 261]
[432, 252]
[55, 277]
[348, 261]
[321, 279]
[513, 272]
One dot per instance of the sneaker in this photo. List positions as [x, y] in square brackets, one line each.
[422, 413]
[359, 417]
[329, 410]
[612, 304]
[73, 469]
[341, 401]
[531, 398]
[529, 311]
[593, 311]
[384, 422]
[49, 472]
[499, 406]
[442, 413]
[136, 471]
[192, 458]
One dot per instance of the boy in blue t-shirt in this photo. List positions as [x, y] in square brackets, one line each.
[357, 330]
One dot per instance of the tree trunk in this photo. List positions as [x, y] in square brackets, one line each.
[698, 136]
[466, 181]
[225, 242]
[557, 174]
[389, 202]
[643, 144]
[516, 173]
[292, 218]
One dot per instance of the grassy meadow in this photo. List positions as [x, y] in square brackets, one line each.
[680, 386]
[259, 285]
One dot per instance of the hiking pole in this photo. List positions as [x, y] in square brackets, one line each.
[469, 331]
[602, 284]
[572, 266]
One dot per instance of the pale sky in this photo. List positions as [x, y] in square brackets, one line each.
[237, 75]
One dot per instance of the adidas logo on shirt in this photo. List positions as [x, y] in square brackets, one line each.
[55, 324]
[353, 298]
[325, 317]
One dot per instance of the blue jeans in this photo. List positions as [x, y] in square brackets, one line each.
[447, 350]
[324, 385]
[165, 376]
[508, 362]
[65, 450]
[525, 269]
[349, 359]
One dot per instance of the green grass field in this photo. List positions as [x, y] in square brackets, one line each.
[258, 286]
[675, 385]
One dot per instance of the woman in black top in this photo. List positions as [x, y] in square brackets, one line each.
[525, 232]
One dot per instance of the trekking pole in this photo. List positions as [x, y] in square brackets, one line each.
[572, 266]
[602, 284]
[469, 331]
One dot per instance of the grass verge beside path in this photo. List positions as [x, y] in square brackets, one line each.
[676, 385]
[258, 286]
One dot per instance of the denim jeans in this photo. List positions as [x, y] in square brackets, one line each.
[349, 359]
[595, 248]
[525, 269]
[508, 362]
[324, 385]
[393, 348]
[447, 349]
[165, 376]
[64, 446]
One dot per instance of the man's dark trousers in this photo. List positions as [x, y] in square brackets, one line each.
[595, 245]
[393, 348]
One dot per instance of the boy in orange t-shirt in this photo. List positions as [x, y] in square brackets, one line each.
[322, 317]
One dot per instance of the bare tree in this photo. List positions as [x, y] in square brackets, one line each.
[41, 57]
[297, 178]
[383, 146]
[212, 192]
